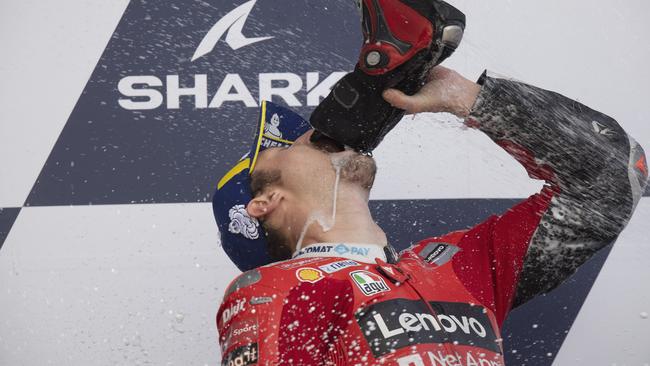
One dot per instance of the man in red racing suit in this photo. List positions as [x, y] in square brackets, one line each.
[443, 301]
[345, 298]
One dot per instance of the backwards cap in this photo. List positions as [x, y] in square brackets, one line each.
[242, 236]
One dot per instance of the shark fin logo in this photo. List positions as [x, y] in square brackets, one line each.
[233, 23]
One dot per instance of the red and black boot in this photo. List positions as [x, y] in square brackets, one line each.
[403, 41]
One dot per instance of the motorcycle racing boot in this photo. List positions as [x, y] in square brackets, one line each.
[403, 41]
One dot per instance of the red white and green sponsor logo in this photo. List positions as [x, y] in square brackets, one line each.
[369, 283]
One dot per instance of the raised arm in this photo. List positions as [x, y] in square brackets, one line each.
[596, 171]
[595, 175]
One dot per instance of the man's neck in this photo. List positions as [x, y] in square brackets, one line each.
[352, 223]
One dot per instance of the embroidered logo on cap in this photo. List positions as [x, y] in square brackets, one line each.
[273, 127]
[242, 223]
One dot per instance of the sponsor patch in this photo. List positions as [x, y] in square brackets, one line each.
[394, 324]
[240, 332]
[241, 356]
[255, 300]
[272, 128]
[308, 274]
[268, 143]
[244, 280]
[316, 249]
[440, 358]
[438, 253]
[235, 308]
[247, 330]
[295, 263]
[337, 266]
[343, 249]
[369, 283]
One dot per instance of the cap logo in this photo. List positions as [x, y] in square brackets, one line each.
[273, 127]
[242, 223]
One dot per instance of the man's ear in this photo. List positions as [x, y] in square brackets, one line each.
[264, 204]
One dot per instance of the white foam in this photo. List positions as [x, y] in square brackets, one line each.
[338, 161]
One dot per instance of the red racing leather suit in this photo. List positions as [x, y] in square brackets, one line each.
[443, 301]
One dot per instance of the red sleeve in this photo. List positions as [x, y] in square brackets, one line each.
[245, 322]
[596, 170]
[498, 248]
[492, 253]
[595, 174]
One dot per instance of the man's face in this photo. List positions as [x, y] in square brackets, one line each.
[304, 173]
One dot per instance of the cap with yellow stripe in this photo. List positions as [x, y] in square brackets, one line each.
[242, 237]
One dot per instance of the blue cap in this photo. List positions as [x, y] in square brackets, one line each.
[242, 236]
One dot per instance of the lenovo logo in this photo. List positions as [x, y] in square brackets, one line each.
[398, 323]
[232, 310]
[427, 322]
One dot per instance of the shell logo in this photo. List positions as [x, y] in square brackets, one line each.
[311, 275]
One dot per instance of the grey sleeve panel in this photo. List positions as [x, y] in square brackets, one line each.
[596, 166]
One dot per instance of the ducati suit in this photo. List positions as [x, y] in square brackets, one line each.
[443, 300]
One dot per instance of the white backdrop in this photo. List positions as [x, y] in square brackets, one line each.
[140, 284]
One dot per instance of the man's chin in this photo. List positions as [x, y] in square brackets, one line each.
[359, 169]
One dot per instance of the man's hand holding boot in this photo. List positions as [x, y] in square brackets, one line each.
[445, 91]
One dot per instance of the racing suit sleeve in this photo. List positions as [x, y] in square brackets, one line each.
[594, 176]
[262, 323]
